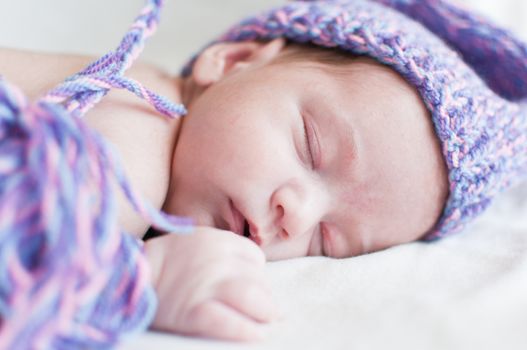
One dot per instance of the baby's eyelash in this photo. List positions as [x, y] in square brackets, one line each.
[308, 146]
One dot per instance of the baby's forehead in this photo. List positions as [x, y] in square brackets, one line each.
[343, 65]
[363, 73]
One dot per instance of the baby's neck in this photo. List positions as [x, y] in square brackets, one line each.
[144, 139]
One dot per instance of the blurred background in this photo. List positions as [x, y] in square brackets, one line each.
[96, 26]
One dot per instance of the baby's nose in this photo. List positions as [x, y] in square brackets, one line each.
[297, 208]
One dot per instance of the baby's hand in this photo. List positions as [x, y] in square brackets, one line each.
[211, 284]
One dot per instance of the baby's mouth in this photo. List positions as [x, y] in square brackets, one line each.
[251, 233]
[242, 226]
[239, 224]
[246, 231]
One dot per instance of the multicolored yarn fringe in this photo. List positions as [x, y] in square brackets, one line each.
[69, 278]
[466, 70]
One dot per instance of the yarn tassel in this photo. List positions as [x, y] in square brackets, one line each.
[69, 278]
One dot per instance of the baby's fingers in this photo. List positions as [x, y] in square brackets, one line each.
[250, 298]
[214, 319]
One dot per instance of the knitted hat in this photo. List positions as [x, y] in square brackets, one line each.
[467, 71]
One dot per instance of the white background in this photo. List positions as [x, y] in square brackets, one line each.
[95, 26]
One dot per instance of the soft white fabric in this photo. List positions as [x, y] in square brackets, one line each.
[464, 292]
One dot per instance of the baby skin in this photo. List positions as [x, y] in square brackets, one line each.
[277, 158]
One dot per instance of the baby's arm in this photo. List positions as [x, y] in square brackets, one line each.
[211, 284]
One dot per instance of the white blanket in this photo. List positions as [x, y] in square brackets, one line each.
[463, 292]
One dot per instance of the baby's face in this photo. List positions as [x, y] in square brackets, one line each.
[309, 160]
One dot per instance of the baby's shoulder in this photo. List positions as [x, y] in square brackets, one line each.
[143, 138]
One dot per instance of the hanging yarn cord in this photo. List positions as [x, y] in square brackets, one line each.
[82, 91]
[69, 278]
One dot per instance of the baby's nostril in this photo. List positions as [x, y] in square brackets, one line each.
[281, 211]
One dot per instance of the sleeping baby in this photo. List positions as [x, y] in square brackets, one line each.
[320, 128]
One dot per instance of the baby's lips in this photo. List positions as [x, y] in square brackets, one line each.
[254, 233]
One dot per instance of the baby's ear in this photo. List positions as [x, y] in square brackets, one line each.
[216, 61]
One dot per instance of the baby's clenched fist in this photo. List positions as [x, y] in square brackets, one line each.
[210, 283]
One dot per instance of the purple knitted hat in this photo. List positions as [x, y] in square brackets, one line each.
[467, 71]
